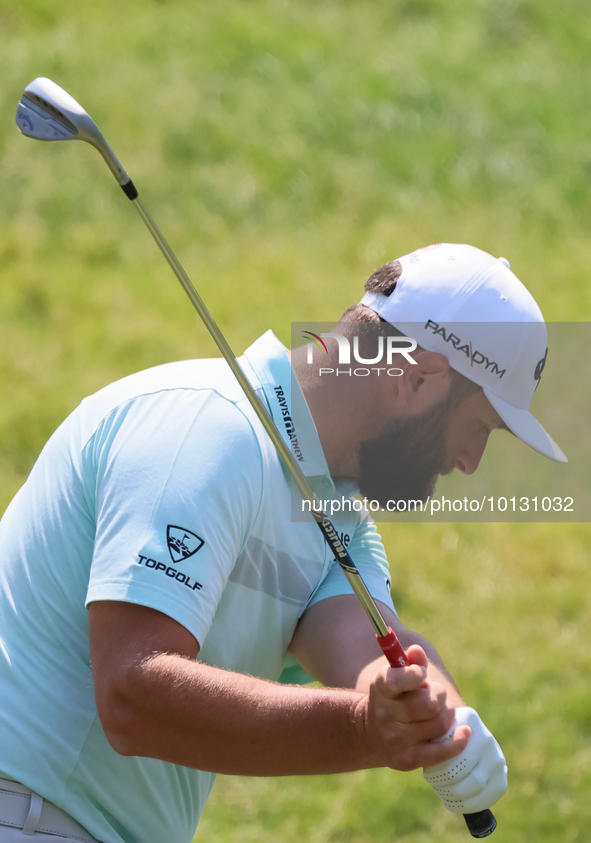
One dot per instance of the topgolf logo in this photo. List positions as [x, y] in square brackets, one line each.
[387, 347]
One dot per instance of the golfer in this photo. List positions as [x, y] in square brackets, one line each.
[155, 585]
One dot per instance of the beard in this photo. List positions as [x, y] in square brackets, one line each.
[405, 460]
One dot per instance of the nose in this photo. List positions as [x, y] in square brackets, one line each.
[468, 460]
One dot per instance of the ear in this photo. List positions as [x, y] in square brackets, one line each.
[424, 384]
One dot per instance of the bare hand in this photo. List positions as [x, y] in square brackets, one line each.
[403, 712]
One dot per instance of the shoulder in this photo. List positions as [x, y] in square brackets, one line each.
[180, 425]
[201, 396]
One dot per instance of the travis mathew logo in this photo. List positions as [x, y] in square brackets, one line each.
[288, 422]
[182, 543]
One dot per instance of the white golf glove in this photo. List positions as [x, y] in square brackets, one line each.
[477, 778]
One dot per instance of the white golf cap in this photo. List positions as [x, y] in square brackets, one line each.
[467, 305]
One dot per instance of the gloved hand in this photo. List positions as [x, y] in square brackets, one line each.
[477, 778]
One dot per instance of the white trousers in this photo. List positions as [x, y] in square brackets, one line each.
[15, 835]
[27, 818]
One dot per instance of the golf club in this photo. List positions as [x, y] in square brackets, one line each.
[46, 112]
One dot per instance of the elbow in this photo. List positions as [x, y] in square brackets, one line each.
[122, 743]
[122, 728]
[121, 747]
[122, 719]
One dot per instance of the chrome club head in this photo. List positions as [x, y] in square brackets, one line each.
[46, 112]
[41, 113]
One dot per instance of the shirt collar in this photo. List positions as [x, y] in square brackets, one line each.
[267, 366]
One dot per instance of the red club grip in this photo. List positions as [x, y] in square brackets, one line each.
[392, 649]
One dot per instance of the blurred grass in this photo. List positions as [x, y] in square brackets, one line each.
[287, 149]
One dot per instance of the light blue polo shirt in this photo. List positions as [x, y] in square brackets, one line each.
[164, 490]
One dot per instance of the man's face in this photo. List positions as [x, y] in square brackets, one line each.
[405, 460]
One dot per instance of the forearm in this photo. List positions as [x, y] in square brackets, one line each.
[155, 699]
[198, 716]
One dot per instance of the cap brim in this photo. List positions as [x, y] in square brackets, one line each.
[526, 428]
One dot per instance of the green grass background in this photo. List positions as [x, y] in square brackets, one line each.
[287, 149]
